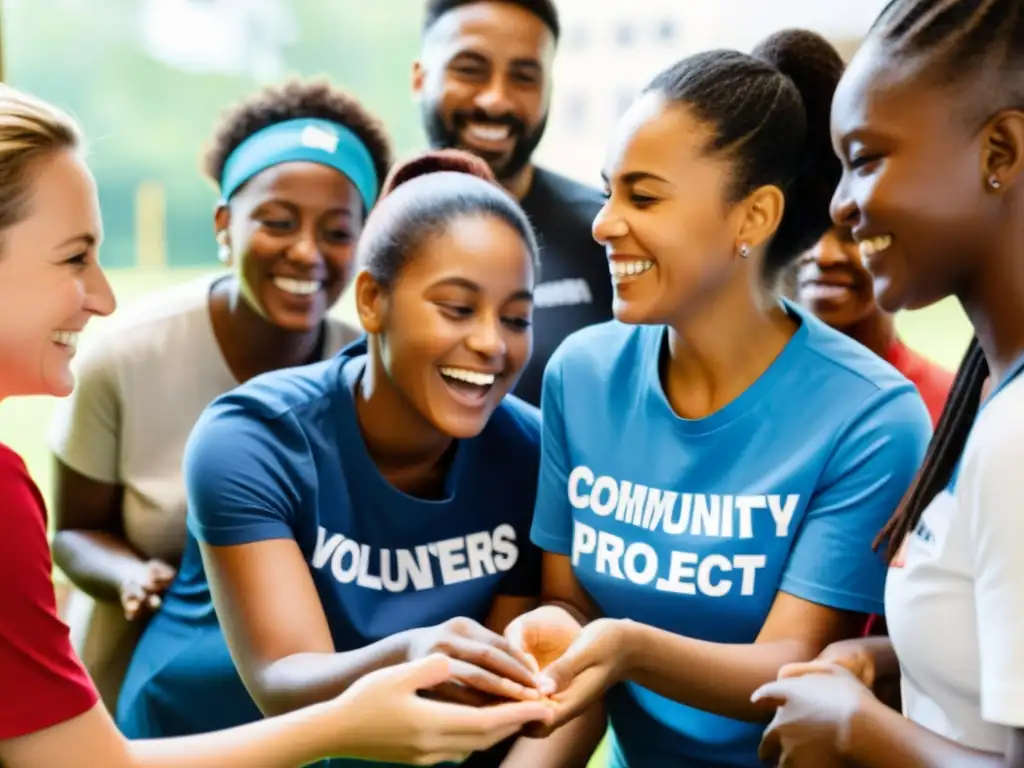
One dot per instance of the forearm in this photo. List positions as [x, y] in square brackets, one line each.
[887, 665]
[571, 746]
[294, 739]
[96, 562]
[882, 738]
[713, 677]
[307, 678]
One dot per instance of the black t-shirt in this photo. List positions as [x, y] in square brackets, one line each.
[575, 287]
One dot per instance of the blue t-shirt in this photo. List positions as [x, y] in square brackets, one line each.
[693, 526]
[282, 457]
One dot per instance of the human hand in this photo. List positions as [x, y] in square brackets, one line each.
[853, 655]
[142, 589]
[381, 717]
[814, 715]
[544, 633]
[594, 662]
[482, 662]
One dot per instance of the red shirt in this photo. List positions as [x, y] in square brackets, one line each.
[933, 381]
[42, 682]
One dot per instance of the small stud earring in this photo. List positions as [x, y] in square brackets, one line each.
[993, 182]
[223, 249]
[744, 250]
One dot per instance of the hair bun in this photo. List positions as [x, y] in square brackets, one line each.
[436, 161]
[815, 67]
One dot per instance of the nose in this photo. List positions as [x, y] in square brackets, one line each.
[495, 99]
[608, 225]
[486, 338]
[305, 250]
[828, 251]
[843, 208]
[99, 296]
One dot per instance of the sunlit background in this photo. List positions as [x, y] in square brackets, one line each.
[147, 79]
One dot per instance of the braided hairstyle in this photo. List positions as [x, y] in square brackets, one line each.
[979, 44]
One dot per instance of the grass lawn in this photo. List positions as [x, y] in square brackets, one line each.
[941, 332]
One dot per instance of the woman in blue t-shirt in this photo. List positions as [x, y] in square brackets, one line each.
[716, 463]
[349, 515]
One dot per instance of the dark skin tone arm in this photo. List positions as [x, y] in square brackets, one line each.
[278, 634]
[882, 738]
[89, 544]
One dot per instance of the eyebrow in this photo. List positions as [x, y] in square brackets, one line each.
[634, 176]
[86, 239]
[293, 208]
[469, 285]
[479, 58]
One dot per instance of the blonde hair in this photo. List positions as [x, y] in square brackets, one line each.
[30, 129]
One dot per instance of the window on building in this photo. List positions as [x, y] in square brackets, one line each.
[625, 35]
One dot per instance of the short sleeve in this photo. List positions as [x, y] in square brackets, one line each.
[42, 682]
[245, 473]
[990, 493]
[833, 562]
[85, 430]
[552, 515]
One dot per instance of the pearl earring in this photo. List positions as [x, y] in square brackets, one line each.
[993, 182]
[223, 249]
[744, 250]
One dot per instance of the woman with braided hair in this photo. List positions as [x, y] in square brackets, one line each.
[929, 124]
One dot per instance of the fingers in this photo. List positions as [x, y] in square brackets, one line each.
[491, 657]
[488, 682]
[775, 693]
[456, 693]
[807, 668]
[502, 656]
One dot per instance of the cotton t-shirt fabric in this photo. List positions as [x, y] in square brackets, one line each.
[693, 526]
[42, 683]
[954, 600]
[575, 287]
[933, 382]
[141, 385]
[283, 457]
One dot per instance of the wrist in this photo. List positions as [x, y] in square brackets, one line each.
[627, 643]
[862, 721]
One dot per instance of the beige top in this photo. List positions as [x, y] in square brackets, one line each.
[141, 385]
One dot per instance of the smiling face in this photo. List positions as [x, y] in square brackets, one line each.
[51, 283]
[454, 328]
[484, 83]
[292, 231]
[832, 282]
[912, 191]
[669, 234]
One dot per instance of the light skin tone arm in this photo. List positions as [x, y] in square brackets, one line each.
[90, 546]
[382, 718]
[281, 642]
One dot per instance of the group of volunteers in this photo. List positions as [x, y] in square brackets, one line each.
[652, 464]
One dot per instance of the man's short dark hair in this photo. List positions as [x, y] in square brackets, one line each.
[543, 9]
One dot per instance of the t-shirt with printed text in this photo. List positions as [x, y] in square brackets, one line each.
[694, 526]
[953, 595]
[283, 457]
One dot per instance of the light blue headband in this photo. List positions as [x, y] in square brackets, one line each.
[304, 139]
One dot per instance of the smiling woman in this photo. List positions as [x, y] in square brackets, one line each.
[298, 168]
[347, 515]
